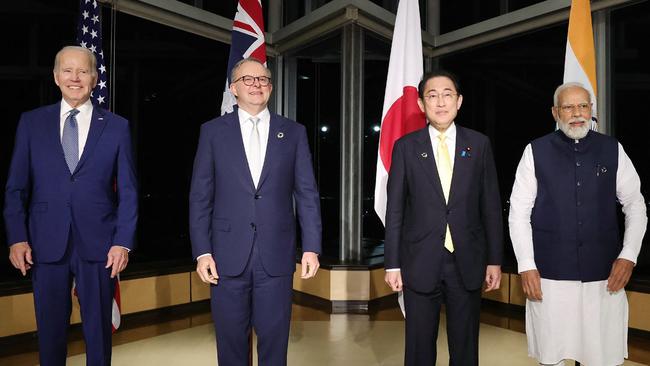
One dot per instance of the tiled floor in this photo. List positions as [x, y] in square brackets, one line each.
[317, 338]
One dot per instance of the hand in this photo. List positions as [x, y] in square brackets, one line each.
[532, 284]
[118, 257]
[207, 270]
[20, 255]
[492, 277]
[394, 280]
[620, 274]
[310, 265]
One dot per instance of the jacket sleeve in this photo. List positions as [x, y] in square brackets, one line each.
[396, 196]
[202, 196]
[491, 214]
[306, 197]
[18, 188]
[127, 192]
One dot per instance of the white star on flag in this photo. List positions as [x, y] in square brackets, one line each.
[102, 68]
[93, 48]
[100, 100]
[85, 14]
[95, 19]
[102, 84]
[83, 44]
[93, 33]
[84, 29]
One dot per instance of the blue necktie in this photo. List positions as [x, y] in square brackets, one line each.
[70, 140]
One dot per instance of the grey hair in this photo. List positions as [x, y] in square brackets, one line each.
[565, 86]
[89, 53]
[243, 61]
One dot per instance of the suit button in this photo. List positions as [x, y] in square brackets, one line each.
[448, 212]
[578, 184]
[257, 196]
[579, 223]
[579, 203]
[73, 179]
[67, 204]
[578, 164]
[253, 226]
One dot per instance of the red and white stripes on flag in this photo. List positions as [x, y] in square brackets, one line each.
[116, 310]
[247, 41]
[401, 113]
[580, 58]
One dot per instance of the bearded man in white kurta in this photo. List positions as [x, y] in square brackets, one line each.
[564, 230]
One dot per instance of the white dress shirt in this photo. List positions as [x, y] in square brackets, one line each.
[83, 121]
[524, 193]
[262, 127]
[450, 139]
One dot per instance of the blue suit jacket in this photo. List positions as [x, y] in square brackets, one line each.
[227, 212]
[43, 200]
[417, 214]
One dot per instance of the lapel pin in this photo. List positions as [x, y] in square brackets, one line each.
[280, 135]
[424, 155]
[101, 118]
[466, 153]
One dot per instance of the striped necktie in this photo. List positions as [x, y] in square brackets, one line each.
[255, 151]
[70, 140]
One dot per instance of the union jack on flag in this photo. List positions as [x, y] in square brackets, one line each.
[247, 41]
[89, 35]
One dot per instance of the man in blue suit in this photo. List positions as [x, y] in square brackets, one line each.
[444, 235]
[252, 176]
[71, 208]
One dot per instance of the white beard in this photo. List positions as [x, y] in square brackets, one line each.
[575, 133]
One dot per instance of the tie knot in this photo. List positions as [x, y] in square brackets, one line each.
[441, 137]
[255, 120]
[74, 112]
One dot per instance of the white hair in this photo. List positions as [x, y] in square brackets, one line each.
[91, 57]
[565, 86]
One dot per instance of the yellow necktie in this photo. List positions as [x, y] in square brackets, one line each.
[444, 172]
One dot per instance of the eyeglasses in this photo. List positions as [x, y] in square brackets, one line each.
[446, 96]
[249, 80]
[582, 107]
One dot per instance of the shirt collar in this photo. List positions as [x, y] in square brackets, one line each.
[85, 108]
[264, 115]
[450, 133]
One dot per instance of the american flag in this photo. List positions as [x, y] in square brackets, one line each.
[89, 35]
[247, 41]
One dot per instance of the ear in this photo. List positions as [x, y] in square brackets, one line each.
[459, 102]
[233, 90]
[421, 104]
[95, 81]
[554, 112]
[56, 78]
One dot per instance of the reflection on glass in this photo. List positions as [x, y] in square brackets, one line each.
[318, 107]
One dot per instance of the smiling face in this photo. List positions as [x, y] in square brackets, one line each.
[440, 102]
[75, 76]
[573, 112]
[252, 99]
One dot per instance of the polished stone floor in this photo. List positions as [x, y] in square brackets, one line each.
[317, 338]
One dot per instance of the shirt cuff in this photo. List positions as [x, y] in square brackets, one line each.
[628, 254]
[203, 255]
[127, 249]
[392, 270]
[526, 265]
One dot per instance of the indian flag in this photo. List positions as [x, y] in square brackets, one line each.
[580, 58]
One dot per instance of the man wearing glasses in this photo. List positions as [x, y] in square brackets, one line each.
[444, 235]
[564, 230]
[252, 176]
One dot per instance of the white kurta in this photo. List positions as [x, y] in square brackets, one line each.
[576, 320]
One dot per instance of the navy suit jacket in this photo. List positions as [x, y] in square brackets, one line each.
[417, 213]
[227, 212]
[43, 200]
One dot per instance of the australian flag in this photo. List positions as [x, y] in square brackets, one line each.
[89, 35]
[247, 41]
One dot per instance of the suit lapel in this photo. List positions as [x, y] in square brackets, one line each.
[276, 137]
[235, 144]
[426, 157]
[461, 163]
[97, 125]
[54, 134]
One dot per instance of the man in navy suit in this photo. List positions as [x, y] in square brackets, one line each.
[71, 208]
[252, 176]
[444, 231]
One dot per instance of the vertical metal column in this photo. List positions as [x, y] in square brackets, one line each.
[432, 16]
[351, 155]
[603, 41]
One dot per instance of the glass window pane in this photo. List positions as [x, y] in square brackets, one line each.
[461, 13]
[631, 92]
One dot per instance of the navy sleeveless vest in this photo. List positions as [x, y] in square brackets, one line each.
[574, 221]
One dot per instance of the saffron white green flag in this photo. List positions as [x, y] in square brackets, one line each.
[580, 58]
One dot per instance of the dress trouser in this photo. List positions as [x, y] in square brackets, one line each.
[462, 308]
[52, 284]
[252, 299]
